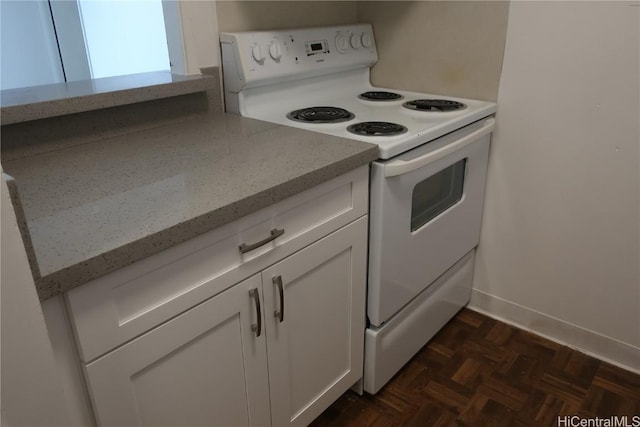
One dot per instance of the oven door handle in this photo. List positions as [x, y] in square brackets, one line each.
[400, 167]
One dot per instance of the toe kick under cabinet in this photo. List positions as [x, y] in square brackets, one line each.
[235, 327]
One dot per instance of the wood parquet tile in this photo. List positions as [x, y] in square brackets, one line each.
[481, 372]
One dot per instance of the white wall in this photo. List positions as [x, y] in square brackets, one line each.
[31, 391]
[560, 246]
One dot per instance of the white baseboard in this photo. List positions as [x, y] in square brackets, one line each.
[589, 342]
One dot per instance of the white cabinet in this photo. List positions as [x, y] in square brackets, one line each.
[315, 346]
[203, 368]
[121, 306]
[206, 334]
[219, 364]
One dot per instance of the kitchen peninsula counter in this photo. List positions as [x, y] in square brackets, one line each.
[94, 208]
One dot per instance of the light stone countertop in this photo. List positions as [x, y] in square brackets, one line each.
[41, 102]
[97, 207]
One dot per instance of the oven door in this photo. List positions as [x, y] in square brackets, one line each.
[426, 209]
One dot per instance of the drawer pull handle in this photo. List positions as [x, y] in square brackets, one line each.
[279, 313]
[257, 328]
[275, 233]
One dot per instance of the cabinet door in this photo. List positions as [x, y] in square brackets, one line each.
[315, 352]
[205, 367]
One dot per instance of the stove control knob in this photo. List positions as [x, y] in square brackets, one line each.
[342, 43]
[366, 40]
[275, 51]
[259, 53]
[355, 41]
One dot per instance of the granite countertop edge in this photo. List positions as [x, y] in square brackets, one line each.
[60, 281]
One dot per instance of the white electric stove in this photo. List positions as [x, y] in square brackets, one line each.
[427, 188]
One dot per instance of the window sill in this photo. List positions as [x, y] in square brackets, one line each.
[40, 102]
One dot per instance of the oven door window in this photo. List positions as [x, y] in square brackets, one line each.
[436, 194]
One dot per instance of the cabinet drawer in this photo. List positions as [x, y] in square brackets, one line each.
[115, 308]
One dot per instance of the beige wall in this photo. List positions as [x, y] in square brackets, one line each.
[451, 48]
[270, 15]
[560, 245]
[199, 34]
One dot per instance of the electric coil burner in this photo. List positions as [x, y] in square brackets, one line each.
[438, 105]
[377, 129]
[380, 95]
[321, 115]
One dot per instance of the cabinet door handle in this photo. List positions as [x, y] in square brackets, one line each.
[275, 233]
[279, 313]
[257, 328]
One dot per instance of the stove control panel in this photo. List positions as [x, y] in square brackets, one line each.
[258, 58]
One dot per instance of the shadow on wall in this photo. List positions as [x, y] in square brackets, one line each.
[271, 15]
[452, 48]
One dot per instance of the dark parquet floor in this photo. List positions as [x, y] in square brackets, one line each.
[481, 372]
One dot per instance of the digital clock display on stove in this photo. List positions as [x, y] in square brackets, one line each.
[317, 46]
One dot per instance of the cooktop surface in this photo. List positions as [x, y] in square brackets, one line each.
[342, 107]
